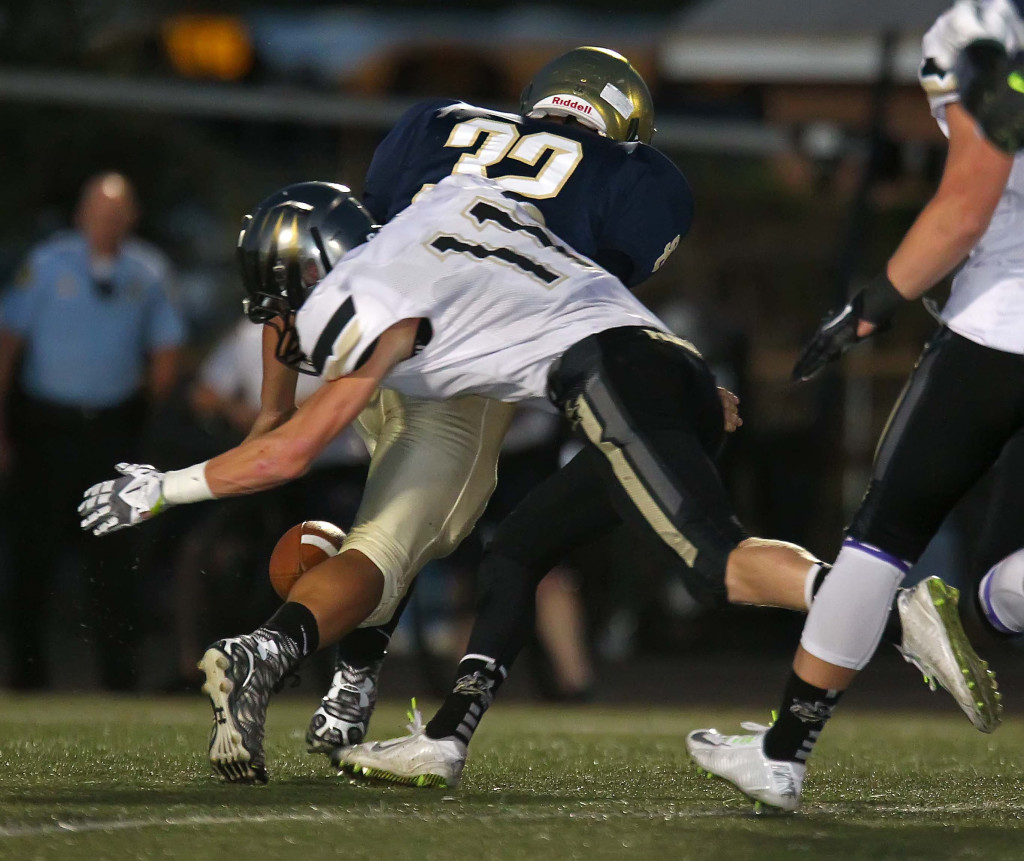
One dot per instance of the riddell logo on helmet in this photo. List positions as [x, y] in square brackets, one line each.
[573, 104]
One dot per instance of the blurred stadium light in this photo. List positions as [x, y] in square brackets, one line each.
[215, 46]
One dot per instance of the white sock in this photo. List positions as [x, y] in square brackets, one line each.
[846, 620]
[1001, 594]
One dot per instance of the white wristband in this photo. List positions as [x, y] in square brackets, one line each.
[187, 485]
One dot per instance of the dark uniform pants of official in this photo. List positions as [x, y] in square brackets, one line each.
[647, 407]
[60, 451]
[962, 407]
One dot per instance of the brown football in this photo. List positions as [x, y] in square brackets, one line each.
[302, 547]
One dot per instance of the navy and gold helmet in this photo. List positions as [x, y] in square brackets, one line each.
[285, 248]
[599, 88]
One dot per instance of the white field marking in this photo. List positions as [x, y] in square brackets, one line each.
[87, 825]
[110, 825]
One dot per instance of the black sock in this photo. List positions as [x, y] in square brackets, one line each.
[479, 678]
[365, 647]
[893, 633]
[819, 578]
[805, 709]
[362, 647]
[298, 624]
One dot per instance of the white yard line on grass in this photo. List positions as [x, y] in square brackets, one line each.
[94, 825]
[86, 825]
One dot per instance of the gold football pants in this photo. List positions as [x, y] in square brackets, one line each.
[433, 466]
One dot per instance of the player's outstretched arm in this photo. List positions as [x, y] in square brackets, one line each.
[943, 234]
[286, 453]
[258, 463]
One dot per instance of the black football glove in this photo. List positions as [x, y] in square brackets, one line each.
[991, 86]
[876, 303]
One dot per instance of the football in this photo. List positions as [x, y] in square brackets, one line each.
[302, 547]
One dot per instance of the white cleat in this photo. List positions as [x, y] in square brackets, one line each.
[934, 641]
[740, 760]
[344, 714]
[412, 760]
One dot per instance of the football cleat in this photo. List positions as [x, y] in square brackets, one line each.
[241, 673]
[740, 760]
[412, 760]
[934, 641]
[344, 714]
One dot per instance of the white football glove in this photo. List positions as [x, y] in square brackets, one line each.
[123, 502]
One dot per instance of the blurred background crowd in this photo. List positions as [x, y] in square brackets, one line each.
[134, 136]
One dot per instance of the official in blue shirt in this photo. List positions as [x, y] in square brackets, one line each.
[89, 338]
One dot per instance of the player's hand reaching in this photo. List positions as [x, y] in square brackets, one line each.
[869, 311]
[122, 502]
[835, 335]
[730, 409]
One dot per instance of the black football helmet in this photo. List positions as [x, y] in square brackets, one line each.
[285, 248]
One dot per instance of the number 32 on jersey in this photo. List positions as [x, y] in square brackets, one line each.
[495, 140]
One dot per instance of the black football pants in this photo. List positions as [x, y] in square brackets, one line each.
[647, 408]
[962, 406]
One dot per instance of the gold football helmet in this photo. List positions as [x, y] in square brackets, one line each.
[596, 86]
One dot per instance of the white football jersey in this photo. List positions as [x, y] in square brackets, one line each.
[986, 304]
[504, 297]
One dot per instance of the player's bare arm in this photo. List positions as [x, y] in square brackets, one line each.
[944, 233]
[286, 452]
[953, 221]
[258, 463]
[277, 392]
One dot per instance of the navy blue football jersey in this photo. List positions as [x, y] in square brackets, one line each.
[623, 205]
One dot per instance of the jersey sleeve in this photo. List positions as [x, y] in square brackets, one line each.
[965, 22]
[649, 210]
[383, 178]
[23, 302]
[338, 326]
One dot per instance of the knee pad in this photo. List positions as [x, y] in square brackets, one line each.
[848, 616]
[392, 561]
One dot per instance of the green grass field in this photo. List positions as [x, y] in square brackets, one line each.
[96, 778]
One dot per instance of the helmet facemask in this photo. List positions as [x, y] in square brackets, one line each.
[287, 246]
